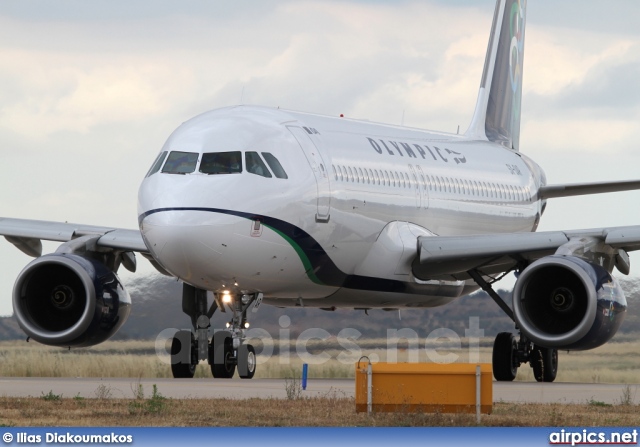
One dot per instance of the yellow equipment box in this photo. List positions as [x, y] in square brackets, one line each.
[424, 387]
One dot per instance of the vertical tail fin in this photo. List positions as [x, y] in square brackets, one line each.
[497, 114]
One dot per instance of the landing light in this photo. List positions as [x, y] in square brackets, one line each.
[246, 325]
[228, 325]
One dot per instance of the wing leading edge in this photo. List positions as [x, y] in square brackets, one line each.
[26, 235]
[451, 258]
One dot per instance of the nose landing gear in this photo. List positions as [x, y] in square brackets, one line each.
[227, 350]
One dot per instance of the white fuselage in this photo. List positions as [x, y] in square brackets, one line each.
[341, 230]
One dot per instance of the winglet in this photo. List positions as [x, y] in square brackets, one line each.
[497, 114]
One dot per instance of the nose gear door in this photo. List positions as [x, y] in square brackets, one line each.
[320, 171]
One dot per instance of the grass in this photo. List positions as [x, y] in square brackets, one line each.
[50, 397]
[330, 410]
[613, 363]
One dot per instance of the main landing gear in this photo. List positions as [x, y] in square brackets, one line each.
[226, 351]
[509, 353]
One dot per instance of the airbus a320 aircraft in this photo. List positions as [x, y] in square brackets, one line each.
[261, 205]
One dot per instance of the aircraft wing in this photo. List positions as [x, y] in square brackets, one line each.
[28, 234]
[451, 258]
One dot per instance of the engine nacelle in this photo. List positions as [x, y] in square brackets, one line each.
[69, 300]
[567, 303]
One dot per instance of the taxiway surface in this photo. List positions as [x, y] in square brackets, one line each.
[265, 388]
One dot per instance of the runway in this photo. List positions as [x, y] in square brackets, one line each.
[275, 388]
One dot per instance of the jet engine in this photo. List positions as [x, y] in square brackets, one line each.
[565, 302]
[69, 300]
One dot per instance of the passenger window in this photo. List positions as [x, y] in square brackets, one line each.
[376, 176]
[345, 176]
[157, 164]
[276, 167]
[361, 175]
[335, 173]
[221, 163]
[180, 163]
[421, 175]
[255, 165]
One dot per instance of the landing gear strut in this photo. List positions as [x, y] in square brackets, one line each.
[509, 353]
[226, 351]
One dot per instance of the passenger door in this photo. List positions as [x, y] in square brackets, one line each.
[320, 171]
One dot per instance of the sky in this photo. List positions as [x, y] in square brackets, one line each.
[90, 90]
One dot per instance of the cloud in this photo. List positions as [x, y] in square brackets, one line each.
[89, 91]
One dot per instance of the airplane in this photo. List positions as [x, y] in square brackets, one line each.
[249, 205]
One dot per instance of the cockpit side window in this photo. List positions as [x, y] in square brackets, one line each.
[157, 164]
[255, 165]
[275, 165]
[180, 162]
[221, 163]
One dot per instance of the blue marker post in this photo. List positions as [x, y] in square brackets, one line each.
[305, 371]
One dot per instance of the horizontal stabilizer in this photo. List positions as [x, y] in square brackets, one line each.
[579, 189]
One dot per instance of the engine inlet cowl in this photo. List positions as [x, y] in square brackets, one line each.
[568, 303]
[69, 300]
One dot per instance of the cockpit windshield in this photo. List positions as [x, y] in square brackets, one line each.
[213, 163]
[180, 163]
[157, 164]
[255, 165]
[275, 165]
[221, 163]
